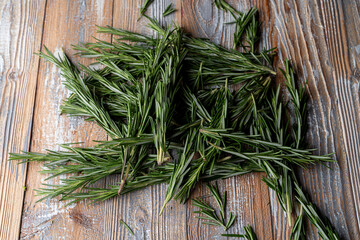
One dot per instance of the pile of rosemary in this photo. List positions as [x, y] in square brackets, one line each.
[181, 110]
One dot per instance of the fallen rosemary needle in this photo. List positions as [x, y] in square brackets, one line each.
[127, 227]
[180, 110]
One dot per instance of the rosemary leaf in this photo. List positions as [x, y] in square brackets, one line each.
[169, 10]
[127, 227]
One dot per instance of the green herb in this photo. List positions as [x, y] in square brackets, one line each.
[145, 6]
[127, 227]
[326, 231]
[180, 169]
[242, 26]
[222, 4]
[180, 110]
[249, 234]
[298, 230]
[208, 214]
[169, 10]
[252, 33]
[298, 99]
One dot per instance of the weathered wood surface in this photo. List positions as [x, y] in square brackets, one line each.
[66, 23]
[320, 37]
[21, 25]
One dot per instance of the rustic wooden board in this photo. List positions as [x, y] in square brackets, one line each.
[321, 38]
[66, 23]
[314, 35]
[21, 24]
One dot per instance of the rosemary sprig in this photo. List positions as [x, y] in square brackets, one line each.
[222, 4]
[242, 26]
[166, 89]
[169, 10]
[326, 231]
[145, 6]
[219, 65]
[252, 33]
[180, 169]
[209, 214]
[87, 100]
[249, 234]
[298, 230]
[298, 99]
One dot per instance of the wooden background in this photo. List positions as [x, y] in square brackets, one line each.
[320, 37]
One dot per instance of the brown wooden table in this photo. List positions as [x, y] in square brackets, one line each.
[320, 37]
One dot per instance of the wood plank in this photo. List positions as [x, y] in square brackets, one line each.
[66, 23]
[21, 26]
[313, 34]
[298, 30]
[321, 38]
[141, 209]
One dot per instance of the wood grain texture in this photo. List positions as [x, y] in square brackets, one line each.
[321, 38]
[21, 24]
[66, 23]
[313, 35]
